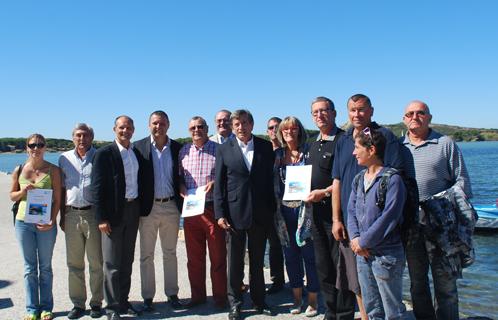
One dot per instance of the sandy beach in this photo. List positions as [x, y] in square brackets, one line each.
[12, 288]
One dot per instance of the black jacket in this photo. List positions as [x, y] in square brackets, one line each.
[143, 150]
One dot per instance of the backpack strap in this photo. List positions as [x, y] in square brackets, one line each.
[358, 180]
[383, 184]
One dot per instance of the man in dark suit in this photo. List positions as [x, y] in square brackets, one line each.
[158, 180]
[115, 190]
[244, 206]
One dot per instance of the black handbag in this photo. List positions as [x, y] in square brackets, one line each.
[15, 205]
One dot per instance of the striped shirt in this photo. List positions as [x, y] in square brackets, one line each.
[437, 164]
[197, 165]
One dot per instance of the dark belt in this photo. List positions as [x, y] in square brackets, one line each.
[164, 199]
[130, 199]
[80, 208]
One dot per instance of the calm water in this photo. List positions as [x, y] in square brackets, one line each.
[479, 287]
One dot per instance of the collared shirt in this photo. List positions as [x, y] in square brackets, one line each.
[76, 177]
[247, 151]
[197, 165]
[220, 139]
[437, 164]
[130, 164]
[346, 166]
[162, 161]
[330, 136]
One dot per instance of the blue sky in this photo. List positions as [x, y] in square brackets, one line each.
[63, 62]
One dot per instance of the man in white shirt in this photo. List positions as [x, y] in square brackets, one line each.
[115, 194]
[160, 208]
[79, 224]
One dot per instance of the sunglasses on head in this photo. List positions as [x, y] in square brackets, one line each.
[34, 145]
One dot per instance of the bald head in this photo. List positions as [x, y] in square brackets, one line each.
[417, 118]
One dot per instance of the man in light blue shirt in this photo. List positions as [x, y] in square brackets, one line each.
[79, 224]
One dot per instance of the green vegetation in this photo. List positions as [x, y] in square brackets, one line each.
[457, 133]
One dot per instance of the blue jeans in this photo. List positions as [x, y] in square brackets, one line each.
[295, 255]
[445, 285]
[37, 248]
[381, 284]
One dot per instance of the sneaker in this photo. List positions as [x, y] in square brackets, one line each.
[76, 313]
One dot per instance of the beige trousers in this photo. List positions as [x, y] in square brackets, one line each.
[164, 219]
[83, 236]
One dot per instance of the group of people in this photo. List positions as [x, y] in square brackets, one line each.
[347, 245]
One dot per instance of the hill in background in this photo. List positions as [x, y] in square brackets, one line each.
[457, 133]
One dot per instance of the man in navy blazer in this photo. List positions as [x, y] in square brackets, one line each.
[115, 191]
[158, 180]
[244, 206]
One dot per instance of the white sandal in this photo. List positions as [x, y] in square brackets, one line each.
[310, 312]
[296, 308]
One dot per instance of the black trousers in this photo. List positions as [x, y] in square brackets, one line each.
[118, 250]
[340, 303]
[276, 258]
[256, 237]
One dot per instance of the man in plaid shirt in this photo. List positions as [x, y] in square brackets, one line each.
[197, 165]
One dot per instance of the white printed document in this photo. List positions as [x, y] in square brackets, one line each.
[297, 182]
[38, 206]
[193, 204]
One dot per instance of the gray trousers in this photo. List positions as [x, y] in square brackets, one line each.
[83, 236]
[164, 219]
[118, 250]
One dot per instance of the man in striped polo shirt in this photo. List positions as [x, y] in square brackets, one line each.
[435, 161]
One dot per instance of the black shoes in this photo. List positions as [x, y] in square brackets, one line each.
[234, 313]
[175, 303]
[148, 307]
[128, 309]
[274, 288]
[263, 309]
[76, 313]
[95, 312]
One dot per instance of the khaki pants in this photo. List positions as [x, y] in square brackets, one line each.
[83, 236]
[164, 219]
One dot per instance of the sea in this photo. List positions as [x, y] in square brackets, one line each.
[478, 290]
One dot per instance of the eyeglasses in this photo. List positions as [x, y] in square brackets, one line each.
[411, 114]
[273, 127]
[317, 112]
[198, 127]
[34, 145]
[293, 129]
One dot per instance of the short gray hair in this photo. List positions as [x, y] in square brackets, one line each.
[84, 127]
[242, 112]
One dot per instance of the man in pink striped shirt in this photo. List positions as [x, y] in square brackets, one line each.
[197, 169]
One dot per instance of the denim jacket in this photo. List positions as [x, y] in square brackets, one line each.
[379, 230]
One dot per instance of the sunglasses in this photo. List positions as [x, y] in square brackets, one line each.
[273, 127]
[368, 133]
[198, 127]
[411, 114]
[34, 145]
